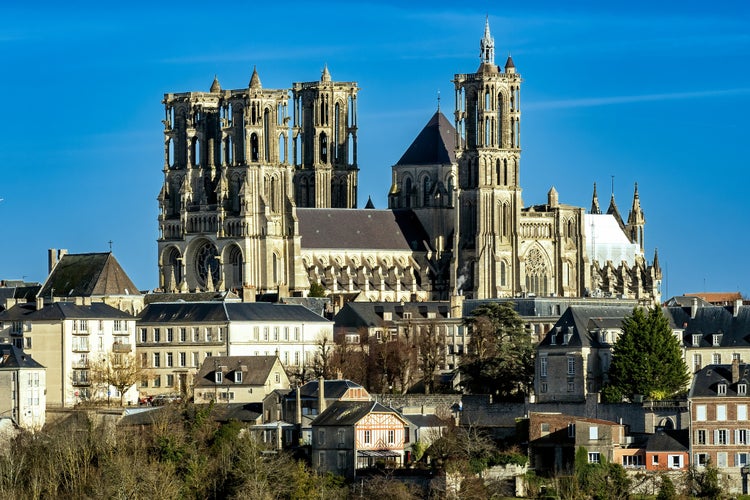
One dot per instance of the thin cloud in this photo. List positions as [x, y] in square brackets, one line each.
[590, 102]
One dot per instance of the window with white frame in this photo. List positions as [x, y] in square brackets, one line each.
[195, 358]
[697, 361]
[675, 461]
[543, 366]
[196, 334]
[118, 325]
[721, 436]
[83, 325]
[238, 377]
[265, 333]
[721, 389]
[170, 361]
[183, 334]
[716, 339]
[701, 459]
[741, 389]
[170, 380]
[721, 459]
[144, 335]
[632, 460]
[742, 412]
[391, 436]
[296, 333]
[275, 333]
[700, 413]
[209, 334]
[157, 381]
[696, 340]
[218, 376]
[655, 459]
[594, 457]
[740, 436]
[593, 433]
[157, 360]
[716, 358]
[157, 335]
[700, 436]
[736, 356]
[170, 334]
[721, 412]
[367, 437]
[183, 359]
[571, 365]
[256, 333]
[740, 459]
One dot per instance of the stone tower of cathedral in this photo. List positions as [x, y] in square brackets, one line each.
[325, 143]
[226, 207]
[487, 120]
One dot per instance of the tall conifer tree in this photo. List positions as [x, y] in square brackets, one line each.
[646, 359]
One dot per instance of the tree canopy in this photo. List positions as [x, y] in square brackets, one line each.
[500, 352]
[646, 359]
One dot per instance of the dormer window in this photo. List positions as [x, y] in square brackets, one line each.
[721, 389]
[552, 337]
[238, 377]
[716, 339]
[387, 316]
[741, 389]
[603, 336]
[696, 339]
[407, 315]
[218, 377]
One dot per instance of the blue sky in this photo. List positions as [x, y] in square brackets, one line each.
[649, 92]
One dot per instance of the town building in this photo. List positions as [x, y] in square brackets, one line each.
[71, 339]
[23, 388]
[239, 379]
[719, 424]
[239, 211]
[572, 361]
[351, 435]
[174, 338]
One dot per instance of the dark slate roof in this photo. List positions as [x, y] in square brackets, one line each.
[241, 412]
[19, 291]
[87, 274]
[334, 389]
[673, 440]
[706, 381]
[686, 301]
[317, 305]
[63, 310]
[350, 412]
[364, 229]
[189, 297]
[710, 320]
[255, 370]
[419, 420]
[197, 312]
[370, 314]
[13, 357]
[435, 144]
[576, 322]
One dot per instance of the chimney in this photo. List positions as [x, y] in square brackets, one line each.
[298, 408]
[61, 253]
[737, 305]
[735, 370]
[51, 259]
[457, 306]
[283, 291]
[39, 302]
[321, 395]
[248, 293]
[694, 308]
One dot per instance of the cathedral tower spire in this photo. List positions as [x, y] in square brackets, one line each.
[488, 150]
[324, 138]
[595, 209]
[636, 220]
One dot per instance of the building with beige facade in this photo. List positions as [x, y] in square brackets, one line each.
[23, 388]
[238, 211]
[175, 338]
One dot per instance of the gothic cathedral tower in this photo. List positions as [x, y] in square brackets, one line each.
[227, 216]
[325, 143]
[487, 120]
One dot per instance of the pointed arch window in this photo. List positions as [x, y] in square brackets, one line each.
[323, 148]
[426, 191]
[254, 147]
[266, 135]
[498, 172]
[407, 192]
[537, 273]
[503, 274]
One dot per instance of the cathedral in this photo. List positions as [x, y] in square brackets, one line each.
[257, 198]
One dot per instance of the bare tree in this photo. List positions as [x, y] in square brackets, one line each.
[321, 364]
[118, 370]
[430, 354]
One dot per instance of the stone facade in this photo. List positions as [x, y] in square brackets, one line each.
[238, 212]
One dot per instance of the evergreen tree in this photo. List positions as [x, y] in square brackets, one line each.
[500, 352]
[646, 358]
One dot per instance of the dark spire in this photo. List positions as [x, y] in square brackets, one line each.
[215, 86]
[255, 79]
[656, 265]
[636, 217]
[370, 204]
[595, 209]
[612, 210]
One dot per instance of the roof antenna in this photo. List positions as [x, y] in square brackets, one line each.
[613, 185]
[438, 101]
[110, 246]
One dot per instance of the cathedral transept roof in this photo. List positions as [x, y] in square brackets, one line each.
[435, 144]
